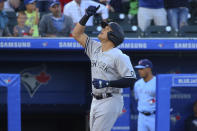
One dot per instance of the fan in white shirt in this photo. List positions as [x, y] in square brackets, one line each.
[76, 9]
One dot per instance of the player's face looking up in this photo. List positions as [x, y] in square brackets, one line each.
[144, 73]
[103, 35]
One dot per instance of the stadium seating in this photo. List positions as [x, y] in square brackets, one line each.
[188, 31]
[131, 31]
[159, 31]
[92, 31]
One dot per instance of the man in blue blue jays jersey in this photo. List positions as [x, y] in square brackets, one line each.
[145, 92]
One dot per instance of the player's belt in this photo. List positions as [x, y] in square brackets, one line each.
[102, 96]
[148, 113]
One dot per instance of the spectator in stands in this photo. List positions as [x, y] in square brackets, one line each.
[63, 2]
[151, 10]
[76, 9]
[125, 6]
[193, 12]
[55, 24]
[4, 30]
[132, 15]
[107, 4]
[177, 12]
[112, 5]
[116, 5]
[191, 122]
[43, 5]
[21, 30]
[22, 6]
[32, 16]
[12, 5]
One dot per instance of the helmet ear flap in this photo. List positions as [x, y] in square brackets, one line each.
[109, 34]
[114, 38]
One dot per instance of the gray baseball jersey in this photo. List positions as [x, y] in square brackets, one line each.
[108, 65]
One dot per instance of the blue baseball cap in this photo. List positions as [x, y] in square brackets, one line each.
[144, 63]
[29, 1]
[54, 2]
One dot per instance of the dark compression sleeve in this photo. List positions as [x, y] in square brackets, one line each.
[84, 20]
[123, 83]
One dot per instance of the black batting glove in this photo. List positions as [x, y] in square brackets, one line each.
[91, 10]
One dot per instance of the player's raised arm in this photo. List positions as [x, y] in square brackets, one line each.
[78, 32]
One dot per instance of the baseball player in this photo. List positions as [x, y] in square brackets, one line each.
[145, 92]
[111, 71]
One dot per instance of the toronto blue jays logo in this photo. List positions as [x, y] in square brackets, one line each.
[174, 117]
[33, 78]
[7, 81]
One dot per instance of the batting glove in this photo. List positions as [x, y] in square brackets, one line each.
[91, 10]
[99, 83]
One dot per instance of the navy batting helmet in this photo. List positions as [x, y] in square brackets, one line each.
[116, 35]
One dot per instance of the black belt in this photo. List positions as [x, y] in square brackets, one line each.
[148, 113]
[102, 96]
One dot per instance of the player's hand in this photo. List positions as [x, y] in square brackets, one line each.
[91, 10]
[99, 83]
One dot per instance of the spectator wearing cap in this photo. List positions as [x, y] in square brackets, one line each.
[12, 5]
[33, 16]
[76, 9]
[145, 94]
[151, 10]
[4, 30]
[55, 24]
[177, 12]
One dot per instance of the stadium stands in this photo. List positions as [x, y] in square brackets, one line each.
[12, 20]
[131, 31]
[93, 30]
[188, 31]
[159, 31]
